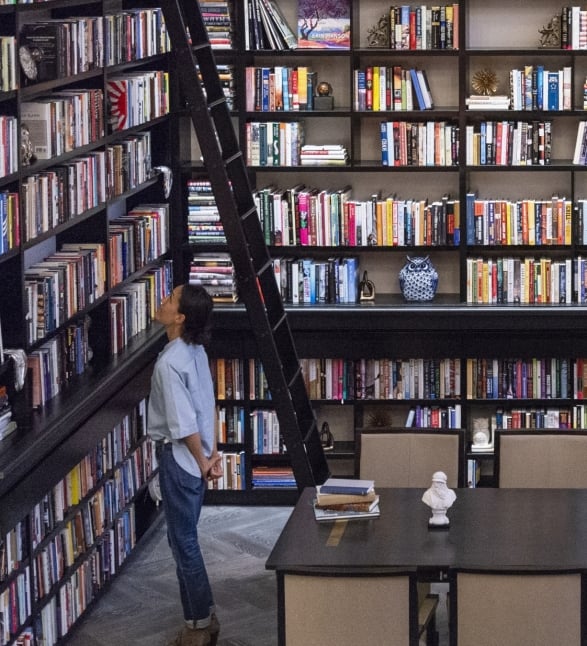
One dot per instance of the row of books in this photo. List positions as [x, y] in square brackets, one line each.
[534, 88]
[266, 27]
[86, 526]
[536, 378]
[434, 417]
[58, 360]
[134, 34]
[59, 503]
[383, 378]
[424, 27]
[307, 281]
[573, 417]
[215, 272]
[15, 605]
[280, 88]
[82, 586]
[306, 216]
[267, 439]
[9, 221]
[526, 281]
[381, 88]
[54, 196]
[531, 222]
[63, 121]
[62, 285]
[217, 18]
[228, 376]
[538, 418]
[274, 143]
[264, 477]
[234, 476]
[431, 143]
[230, 424]
[8, 64]
[509, 143]
[573, 31]
[137, 239]
[134, 99]
[346, 499]
[204, 225]
[61, 48]
[132, 308]
[9, 151]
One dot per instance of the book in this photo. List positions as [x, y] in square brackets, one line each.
[357, 503]
[347, 486]
[342, 498]
[324, 25]
[324, 515]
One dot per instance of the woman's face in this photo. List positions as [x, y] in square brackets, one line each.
[168, 312]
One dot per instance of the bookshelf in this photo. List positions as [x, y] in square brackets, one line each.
[465, 321]
[85, 259]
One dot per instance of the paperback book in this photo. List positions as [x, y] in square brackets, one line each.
[324, 24]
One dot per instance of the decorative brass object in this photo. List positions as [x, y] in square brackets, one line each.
[484, 82]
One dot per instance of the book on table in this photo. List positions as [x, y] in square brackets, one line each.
[348, 486]
[323, 515]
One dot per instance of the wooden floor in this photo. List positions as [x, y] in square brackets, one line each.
[142, 604]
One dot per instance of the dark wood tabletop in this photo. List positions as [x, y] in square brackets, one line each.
[526, 529]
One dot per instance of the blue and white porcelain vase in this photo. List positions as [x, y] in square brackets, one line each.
[418, 279]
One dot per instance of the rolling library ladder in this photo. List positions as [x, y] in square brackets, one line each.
[252, 263]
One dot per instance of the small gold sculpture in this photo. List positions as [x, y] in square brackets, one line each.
[484, 82]
[324, 88]
[378, 35]
[550, 36]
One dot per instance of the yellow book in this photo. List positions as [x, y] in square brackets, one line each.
[376, 97]
[303, 87]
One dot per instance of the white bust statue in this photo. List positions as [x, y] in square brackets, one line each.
[439, 498]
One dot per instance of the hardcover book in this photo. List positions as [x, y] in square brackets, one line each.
[347, 486]
[324, 24]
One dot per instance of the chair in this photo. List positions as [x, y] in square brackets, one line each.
[405, 458]
[541, 459]
[356, 608]
[516, 608]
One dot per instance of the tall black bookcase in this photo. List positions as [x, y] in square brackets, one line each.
[545, 336]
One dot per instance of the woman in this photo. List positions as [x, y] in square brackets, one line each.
[181, 421]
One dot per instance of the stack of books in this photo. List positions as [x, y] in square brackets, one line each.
[217, 19]
[204, 225]
[324, 155]
[482, 102]
[346, 499]
[214, 271]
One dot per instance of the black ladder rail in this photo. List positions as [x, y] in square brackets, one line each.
[253, 268]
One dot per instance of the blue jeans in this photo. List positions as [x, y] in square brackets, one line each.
[183, 495]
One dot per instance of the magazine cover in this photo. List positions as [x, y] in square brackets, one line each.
[324, 24]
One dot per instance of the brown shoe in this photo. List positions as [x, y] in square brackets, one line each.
[214, 629]
[192, 637]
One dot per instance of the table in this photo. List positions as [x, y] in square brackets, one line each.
[527, 529]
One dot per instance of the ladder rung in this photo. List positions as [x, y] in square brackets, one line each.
[201, 46]
[229, 160]
[280, 322]
[248, 213]
[295, 376]
[266, 266]
[214, 104]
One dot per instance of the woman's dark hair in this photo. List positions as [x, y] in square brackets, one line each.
[196, 305]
